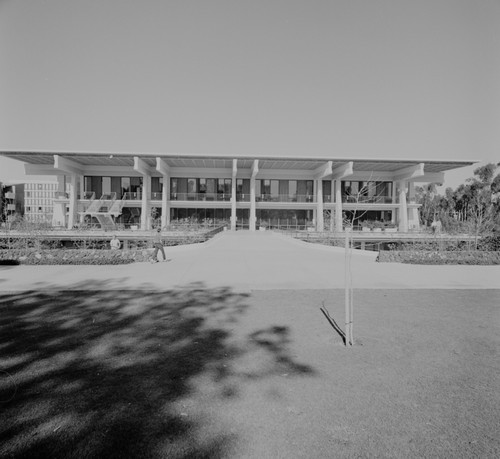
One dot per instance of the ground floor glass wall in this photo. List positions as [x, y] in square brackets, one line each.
[284, 218]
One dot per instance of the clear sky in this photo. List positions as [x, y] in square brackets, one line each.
[415, 79]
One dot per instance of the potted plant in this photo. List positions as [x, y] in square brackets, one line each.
[377, 226]
[390, 228]
[366, 225]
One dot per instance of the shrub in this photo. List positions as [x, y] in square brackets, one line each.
[439, 258]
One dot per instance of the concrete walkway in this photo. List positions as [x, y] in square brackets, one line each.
[251, 261]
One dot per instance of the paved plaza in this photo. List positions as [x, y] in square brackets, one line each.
[249, 261]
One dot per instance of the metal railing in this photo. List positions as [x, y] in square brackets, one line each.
[367, 199]
[287, 198]
[200, 196]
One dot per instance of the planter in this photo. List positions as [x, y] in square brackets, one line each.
[365, 229]
[390, 230]
[262, 228]
[134, 227]
[377, 230]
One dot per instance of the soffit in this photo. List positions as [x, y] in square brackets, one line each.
[215, 162]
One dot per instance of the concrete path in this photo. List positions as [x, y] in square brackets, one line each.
[251, 261]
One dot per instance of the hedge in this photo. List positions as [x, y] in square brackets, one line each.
[73, 256]
[474, 257]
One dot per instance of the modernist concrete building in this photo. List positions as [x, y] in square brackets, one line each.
[134, 189]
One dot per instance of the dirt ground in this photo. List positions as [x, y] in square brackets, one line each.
[215, 373]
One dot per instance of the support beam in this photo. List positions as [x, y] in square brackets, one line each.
[41, 169]
[323, 171]
[67, 165]
[142, 167]
[255, 168]
[162, 167]
[233, 195]
[432, 177]
[409, 173]
[343, 171]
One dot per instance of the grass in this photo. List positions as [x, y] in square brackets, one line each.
[215, 373]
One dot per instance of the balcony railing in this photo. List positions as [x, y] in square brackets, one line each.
[90, 195]
[61, 195]
[132, 195]
[286, 198]
[200, 196]
[367, 199]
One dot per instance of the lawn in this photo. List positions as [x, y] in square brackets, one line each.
[214, 373]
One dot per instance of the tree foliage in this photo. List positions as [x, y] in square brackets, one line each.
[473, 207]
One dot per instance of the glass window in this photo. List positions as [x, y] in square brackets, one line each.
[258, 188]
[192, 185]
[275, 186]
[106, 185]
[266, 187]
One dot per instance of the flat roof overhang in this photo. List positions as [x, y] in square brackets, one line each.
[186, 160]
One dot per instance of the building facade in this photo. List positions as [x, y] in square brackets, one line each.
[11, 202]
[140, 190]
[39, 201]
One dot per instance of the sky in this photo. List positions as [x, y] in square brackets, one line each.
[399, 79]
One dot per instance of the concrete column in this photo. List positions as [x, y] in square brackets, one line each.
[73, 203]
[233, 204]
[319, 206]
[394, 199]
[403, 208]
[413, 219]
[165, 201]
[145, 205]
[253, 213]
[59, 208]
[338, 205]
[332, 212]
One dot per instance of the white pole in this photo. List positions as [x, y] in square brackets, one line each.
[347, 291]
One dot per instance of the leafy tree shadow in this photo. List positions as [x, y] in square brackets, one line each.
[98, 373]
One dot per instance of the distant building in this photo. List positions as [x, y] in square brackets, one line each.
[11, 202]
[39, 201]
[137, 189]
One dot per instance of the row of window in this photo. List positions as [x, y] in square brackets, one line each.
[39, 194]
[35, 202]
[221, 188]
[41, 186]
[35, 209]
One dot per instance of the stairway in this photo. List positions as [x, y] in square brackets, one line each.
[105, 210]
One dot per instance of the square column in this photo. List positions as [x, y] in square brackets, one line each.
[165, 201]
[233, 195]
[145, 210]
[394, 200]
[403, 208]
[59, 208]
[413, 219]
[338, 205]
[73, 194]
[319, 206]
[253, 213]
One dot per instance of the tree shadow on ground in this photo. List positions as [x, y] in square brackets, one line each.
[98, 373]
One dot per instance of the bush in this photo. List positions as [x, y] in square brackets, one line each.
[475, 257]
[72, 257]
